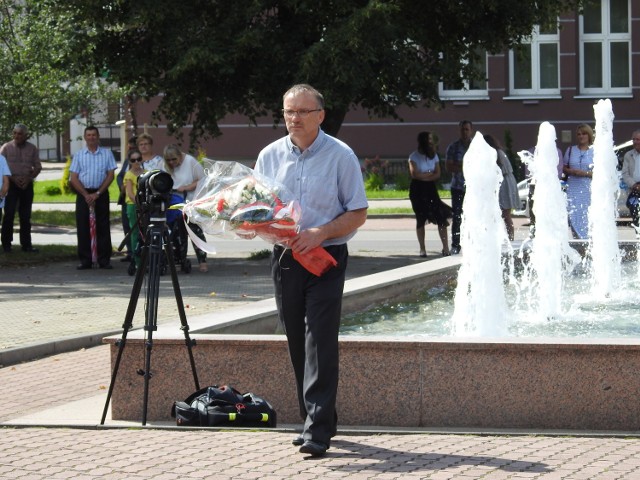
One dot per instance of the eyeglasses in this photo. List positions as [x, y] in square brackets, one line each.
[174, 159]
[143, 144]
[135, 159]
[304, 113]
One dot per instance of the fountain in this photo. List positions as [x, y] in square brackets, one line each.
[605, 254]
[465, 382]
[550, 255]
[480, 304]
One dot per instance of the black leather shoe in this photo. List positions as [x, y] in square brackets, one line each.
[298, 441]
[31, 250]
[107, 266]
[83, 267]
[315, 449]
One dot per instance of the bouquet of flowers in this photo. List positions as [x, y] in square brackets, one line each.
[234, 198]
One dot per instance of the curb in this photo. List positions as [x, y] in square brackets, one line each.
[12, 356]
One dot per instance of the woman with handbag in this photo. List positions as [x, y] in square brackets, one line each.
[578, 166]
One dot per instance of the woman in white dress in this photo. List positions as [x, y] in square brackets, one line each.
[578, 166]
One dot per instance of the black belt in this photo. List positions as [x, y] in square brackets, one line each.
[279, 250]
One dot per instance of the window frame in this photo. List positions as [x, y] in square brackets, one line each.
[465, 93]
[536, 40]
[605, 39]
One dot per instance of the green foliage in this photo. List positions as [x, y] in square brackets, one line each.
[374, 181]
[374, 170]
[47, 69]
[52, 190]
[240, 56]
[40, 195]
[402, 181]
[260, 254]
[64, 181]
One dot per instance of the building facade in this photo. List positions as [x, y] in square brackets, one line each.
[556, 76]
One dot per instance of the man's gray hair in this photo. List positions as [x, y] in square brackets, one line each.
[21, 126]
[303, 87]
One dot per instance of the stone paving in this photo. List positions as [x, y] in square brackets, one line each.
[92, 452]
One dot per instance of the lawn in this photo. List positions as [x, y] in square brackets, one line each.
[42, 192]
[57, 217]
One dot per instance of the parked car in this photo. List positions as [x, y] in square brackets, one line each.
[623, 211]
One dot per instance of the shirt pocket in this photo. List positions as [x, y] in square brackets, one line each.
[319, 192]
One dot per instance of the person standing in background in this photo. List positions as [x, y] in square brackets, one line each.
[5, 173]
[186, 172]
[134, 160]
[453, 164]
[91, 173]
[23, 159]
[132, 145]
[424, 168]
[150, 161]
[508, 195]
[631, 177]
[578, 166]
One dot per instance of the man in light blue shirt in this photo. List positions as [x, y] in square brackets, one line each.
[323, 175]
[91, 173]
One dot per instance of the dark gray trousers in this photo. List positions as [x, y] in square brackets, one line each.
[309, 309]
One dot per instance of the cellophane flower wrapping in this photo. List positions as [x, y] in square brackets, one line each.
[234, 199]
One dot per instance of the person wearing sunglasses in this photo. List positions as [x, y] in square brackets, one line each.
[122, 197]
[323, 175]
[131, 188]
[186, 172]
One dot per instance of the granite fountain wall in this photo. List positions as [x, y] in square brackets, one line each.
[395, 382]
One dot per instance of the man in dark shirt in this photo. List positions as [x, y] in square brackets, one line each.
[23, 159]
[455, 154]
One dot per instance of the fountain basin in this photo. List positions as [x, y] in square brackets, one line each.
[396, 382]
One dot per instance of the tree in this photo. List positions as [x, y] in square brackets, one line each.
[211, 58]
[43, 79]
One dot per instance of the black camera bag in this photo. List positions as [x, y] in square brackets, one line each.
[224, 406]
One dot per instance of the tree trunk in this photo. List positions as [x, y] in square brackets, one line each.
[333, 119]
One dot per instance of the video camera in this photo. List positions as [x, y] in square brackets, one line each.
[154, 193]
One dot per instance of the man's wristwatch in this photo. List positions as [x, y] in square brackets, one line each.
[98, 192]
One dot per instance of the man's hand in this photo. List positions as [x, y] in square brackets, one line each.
[91, 198]
[307, 240]
[21, 181]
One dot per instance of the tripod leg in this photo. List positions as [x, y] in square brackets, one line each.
[180, 303]
[153, 291]
[126, 326]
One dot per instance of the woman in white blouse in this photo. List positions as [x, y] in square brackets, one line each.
[186, 172]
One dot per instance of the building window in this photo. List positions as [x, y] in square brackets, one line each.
[535, 64]
[605, 47]
[476, 88]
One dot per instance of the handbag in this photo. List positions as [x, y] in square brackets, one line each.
[224, 406]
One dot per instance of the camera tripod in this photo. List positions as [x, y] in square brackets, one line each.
[155, 238]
